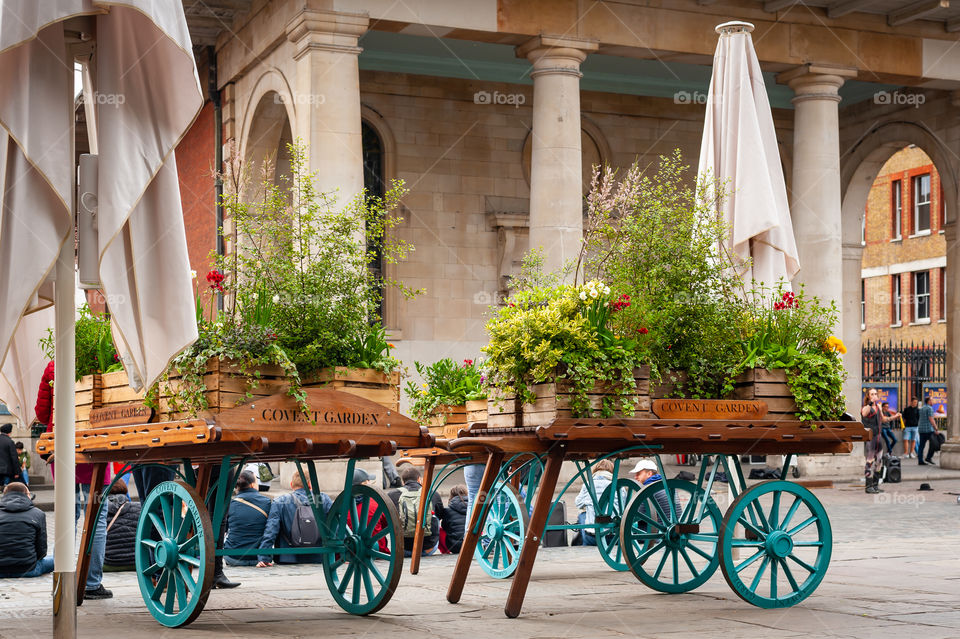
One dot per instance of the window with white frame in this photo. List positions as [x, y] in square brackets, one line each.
[895, 299]
[921, 203]
[896, 205]
[921, 296]
[943, 294]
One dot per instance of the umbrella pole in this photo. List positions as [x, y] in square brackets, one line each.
[64, 575]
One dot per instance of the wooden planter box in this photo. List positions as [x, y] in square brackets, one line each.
[87, 395]
[769, 386]
[553, 401]
[448, 420]
[384, 389]
[668, 384]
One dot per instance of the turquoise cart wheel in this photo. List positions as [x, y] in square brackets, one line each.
[784, 540]
[612, 504]
[174, 553]
[502, 533]
[364, 570]
[670, 551]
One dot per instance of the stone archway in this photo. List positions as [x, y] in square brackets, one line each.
[858, 171]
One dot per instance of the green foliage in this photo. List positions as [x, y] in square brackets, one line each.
[371, 349]
[445, 382]
[94, 348]
[654, 239]
[816, 380]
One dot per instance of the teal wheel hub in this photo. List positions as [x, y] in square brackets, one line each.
[653, 541]
[174, 553]
[363, 576]
[502, 532]
[775, 544]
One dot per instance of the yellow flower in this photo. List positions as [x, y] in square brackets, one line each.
[425, 385]
[834, 343]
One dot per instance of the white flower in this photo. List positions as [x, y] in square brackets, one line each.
[193, 274]
[253, 296]
[276, 299]
[583, 295]
[606, 304]
[594, 293]
[606, 290]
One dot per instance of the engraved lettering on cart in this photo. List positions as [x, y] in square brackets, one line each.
[120, 415]
[709, 409]
[319, 417]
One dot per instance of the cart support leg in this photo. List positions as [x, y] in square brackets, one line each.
[89, 526]
[538, 523]
[425, 495]
[472, 531]
[203, 479]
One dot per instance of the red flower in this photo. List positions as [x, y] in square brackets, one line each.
[215, 278]
[643, 330]
[468, 362]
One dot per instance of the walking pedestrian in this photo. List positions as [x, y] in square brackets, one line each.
[911, 419]
[927, 429]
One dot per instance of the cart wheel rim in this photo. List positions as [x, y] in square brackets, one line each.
[786, 535]
[174, 553]
[613, 504]
[363, 565]
[663, 549]
[502, 533]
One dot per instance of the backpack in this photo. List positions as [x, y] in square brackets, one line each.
[304, 533]
[409, 504]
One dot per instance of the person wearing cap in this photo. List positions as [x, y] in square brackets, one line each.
[246, 520]
[646, 473]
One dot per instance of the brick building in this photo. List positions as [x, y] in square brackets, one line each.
[903, 292]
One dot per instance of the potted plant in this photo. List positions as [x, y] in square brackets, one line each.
[451, 397]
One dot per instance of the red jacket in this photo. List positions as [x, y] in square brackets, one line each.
[44, 411]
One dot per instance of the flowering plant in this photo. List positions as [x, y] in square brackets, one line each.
[445, 382]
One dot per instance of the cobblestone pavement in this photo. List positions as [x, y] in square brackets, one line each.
[895, 572]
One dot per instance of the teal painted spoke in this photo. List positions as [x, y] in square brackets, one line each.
[181, 532]
[379, 554]
[663, 562]
[511, 535]
[662, 514]
[644, 555]
[188, 543]
[773, 579]
[749, 526]
[381, 534]
[790, 513]
[760, 516]
[750, 560]
[158, 588]
[704, 537]
[355, 593]
[167, 509]
[149, 543]
[181, 592]
[686, 559]
[338, 561]
[676, 565]
[803, 564]
[187, 578]
[808, 544]
[177, 518]
[367, 583]
[513, 523]
[488, 549]
[193, 561]
[789, 574]
[774, 510]
[168, 604]
[806, 522]
[759, 575]
[496, 554]
[700, 552]
[157, 524]
[645, 536]
[365, 519]
[151, 570]
[745, 543]
[345, 580]
[381, 579]
[649, 520]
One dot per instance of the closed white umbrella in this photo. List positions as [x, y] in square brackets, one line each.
[147, 96]
[739, 151]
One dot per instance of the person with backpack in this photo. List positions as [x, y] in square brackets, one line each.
[407, 500]
[455, 518]
[246, 520]
[122, 518]
[292, 520]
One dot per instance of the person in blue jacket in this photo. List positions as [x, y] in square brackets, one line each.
[283, 511]
[246, 520]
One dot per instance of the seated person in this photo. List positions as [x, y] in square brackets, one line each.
[646, 473]
[122, 518]
[407, 500]
[246, 520]
[602, 476]
[286, 513]
[23, 535]
[455, 517]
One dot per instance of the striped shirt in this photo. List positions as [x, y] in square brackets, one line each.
[926, 412]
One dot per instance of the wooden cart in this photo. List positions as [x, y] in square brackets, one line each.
[773, 544]
[361, 547]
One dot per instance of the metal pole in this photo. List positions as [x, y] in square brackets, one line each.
[64, 563]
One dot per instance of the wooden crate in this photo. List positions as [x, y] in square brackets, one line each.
[669, 383]
[87, 395]
[448, 420]
[553, 400]
[769, 386]
[382, 388]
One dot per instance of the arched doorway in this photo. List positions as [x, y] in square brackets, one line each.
[268, 136]
[374, 184]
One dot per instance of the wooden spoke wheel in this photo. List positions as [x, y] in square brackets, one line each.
[364, 570]
[502, 533]
[174, 553]
[785, 542]
[670, 551]
[612, 503]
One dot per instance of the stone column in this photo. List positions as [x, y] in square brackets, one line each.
[950, 453]
[327, 96]
[849, 331]
[556, 191]
[815, 196]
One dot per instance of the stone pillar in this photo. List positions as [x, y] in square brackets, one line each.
[849, 331]
[815, 195]
[327, 97]
[556, 191]
[950, 453]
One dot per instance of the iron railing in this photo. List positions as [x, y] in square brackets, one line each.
[908, 366]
